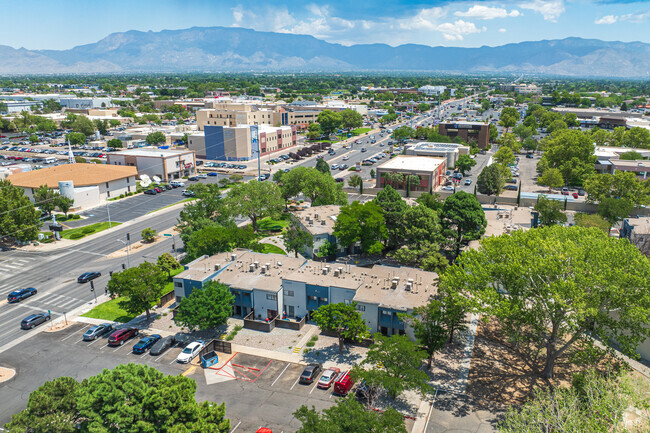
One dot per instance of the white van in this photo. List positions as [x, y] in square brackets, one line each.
[49, 160]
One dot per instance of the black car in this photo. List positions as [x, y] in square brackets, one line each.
[366, 392]
[19, 295]
[85, 277]
[161, 345]
[97, 331]
[168, 187]
[193, 178]
[151, 192]
[34, 320]
[146, 343]
[310, 373]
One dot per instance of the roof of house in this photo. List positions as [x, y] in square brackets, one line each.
[414, 163]
[258, 271]
[328, 275]
[79, 174]
[641, 225]
[389, 287]
[318, 220]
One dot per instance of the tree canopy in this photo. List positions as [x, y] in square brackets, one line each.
[205, 308]
[140, 286]
[255, 200]
[463, 219]
[342, 319]
[491, 180]
[362, 223]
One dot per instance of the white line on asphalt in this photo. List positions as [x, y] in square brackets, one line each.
[276, 379]
[312, 390]
[118, 348]
[156, 360]
[94, 341]
[173, 361]
[73, 334]
[87, 252]
[81, 339]
[426, 424]
[231, 431]
[104, 347]
[294, 384]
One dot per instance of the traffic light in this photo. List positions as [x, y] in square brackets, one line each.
[123, 266]
[92, 286]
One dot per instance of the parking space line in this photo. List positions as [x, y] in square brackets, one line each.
[79, 340]
[156, 360]
[94, 341]
[173, 361]
[231, 431]
[74, 333]
[294, 384]
[279, 375]
[118, 348]
[312, 390]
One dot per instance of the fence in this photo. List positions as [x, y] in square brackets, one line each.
[216, 346]
[291, 324]
[167, 297]
[259, 325]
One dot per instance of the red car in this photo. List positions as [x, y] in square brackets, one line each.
[575, 195]
[159, 190]
[343, 385]
[117, 338]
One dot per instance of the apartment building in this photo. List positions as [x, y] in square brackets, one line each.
[319, 222]
[272, 285]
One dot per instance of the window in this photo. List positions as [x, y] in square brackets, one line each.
[271, 297]
[178, 284]
[386, 313]
[288, 293]
[361, 307]
[311, 298]
[106, 184]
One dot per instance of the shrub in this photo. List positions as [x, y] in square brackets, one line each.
[121, 195]
[76, 236]
[87, 230]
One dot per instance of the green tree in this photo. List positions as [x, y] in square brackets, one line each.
[504, 156]
[52, 407]
[115, 143]
[349, 416]
[148, 235]
[591, 220]
[432, 201]
[155, 138]
[551, 178]
[83, 125]
[114, 123]
[295, 238]
[562, 285]
[572, 152]
[619, 185]
[393, 208]
[156, 402]
[323, 166]
[212, 238]
[494, 133]
[76, 138]
[343, 320]
[509, 117]
[141, 287]
[464, 163]
[556, 125]
[395, 363]
[419, 225]
[45, 198]
[463, 219]
[550, 211]
[632, 155]
[255, 200]
[523, 132]
[33, 138]
[329, 121]
[613, 209]
[64, 204]
[509, 141]
[491, 180]
[355, 181]
[424, 255]
[206, 308]
[101, 126]
[319, 188]
[314, 131]
[351, 119]
[362, 223]
[168, 264]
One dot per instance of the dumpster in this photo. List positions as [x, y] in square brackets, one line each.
[209, 359]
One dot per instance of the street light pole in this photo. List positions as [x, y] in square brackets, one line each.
[109, 216]
[92, 289]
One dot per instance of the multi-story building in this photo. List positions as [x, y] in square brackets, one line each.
[637, 230]
[431, 172]
[470, 132]
[270, 285]
[432, 90]
[449, 151]
[242, 142]
[319, 222]
[165, 164]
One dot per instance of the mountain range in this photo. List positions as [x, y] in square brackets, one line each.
[228, 49]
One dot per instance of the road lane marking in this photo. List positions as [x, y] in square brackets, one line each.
[74, 333]
[312, 390]
[276, 379]
[189, 371]
[231, 431]
[294, 384]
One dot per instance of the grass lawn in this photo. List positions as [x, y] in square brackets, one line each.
[81, 232]
[169, 286]
[110, 311]
[270, 225]
[360, 131]
[270, 249]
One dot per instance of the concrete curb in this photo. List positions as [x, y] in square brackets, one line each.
[11, 373]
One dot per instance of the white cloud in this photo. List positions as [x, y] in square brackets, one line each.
[457, 30]
[502, 30]
[425, 19]
[550, 9]
[607, 19]
[275, 20]
[637, 17]
[482, 12]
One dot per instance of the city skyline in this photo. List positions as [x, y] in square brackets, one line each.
[445, 23]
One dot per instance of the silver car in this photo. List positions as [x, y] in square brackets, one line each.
[95, 332]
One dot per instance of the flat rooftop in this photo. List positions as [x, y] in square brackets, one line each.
[202, 268]
[153, 153]
[400, 288]
[414, 163]
[258, 271]
[328, 275]
[318, 220]
[641, 225]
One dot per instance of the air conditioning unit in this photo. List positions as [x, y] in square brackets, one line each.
[263, 270]
[256, 264]
[408, 286]
[323, 222]
[233, 257]
[217, 267]
[337, 272]
[251, 267]
[280, 265]
[268, 265]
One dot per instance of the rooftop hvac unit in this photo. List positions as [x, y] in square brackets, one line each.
[233, 257]
[280, 265]
[256, 264]
[323, 222]
[337, 272]
[316, 216]
[217, 266]
[394, 283]
[408, 286]
[263, 270]
[268, 265]
[251, 267]
[326, 270]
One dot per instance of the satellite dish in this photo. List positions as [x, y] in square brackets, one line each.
[144, 181]
[156, 179]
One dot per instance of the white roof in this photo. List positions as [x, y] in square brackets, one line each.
[153, 152]
[416, 163]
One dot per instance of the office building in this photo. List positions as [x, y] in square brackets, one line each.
[449, 151]
[469, 132]
[431, 172]
[165, 164]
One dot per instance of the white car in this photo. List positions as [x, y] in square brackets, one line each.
[346, 157]
[202, 176]
[177, 183]
[447, 188]
[190, 351]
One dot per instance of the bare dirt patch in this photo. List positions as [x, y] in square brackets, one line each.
[6, 374]
[59, 326]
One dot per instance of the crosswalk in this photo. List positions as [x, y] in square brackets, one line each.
[58, 302]
[12, 266]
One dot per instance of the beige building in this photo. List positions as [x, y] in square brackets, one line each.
[166, 164]
[234, 114]
[89, 185]
[430, 170]
[319, 222]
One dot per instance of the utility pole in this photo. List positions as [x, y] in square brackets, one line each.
[109, 215]
[92, 289]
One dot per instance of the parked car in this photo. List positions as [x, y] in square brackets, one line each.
[328, 377]
[190, 351]
[119, 337]
[193, 178]
[334, 166]
[213, 173]
[177, 183]
[158, 189]
[87, 276]
[366, 392]
[581, 192]
[34, 320]
[94, 332]
[468, 181]
[447, 188]
[151, 192]
[20, 294]
[363, 149]
[188, 193]
[202, 176]
[529, 156]
[575, 195]
[146, 343]
[510, 187]
[310, 373]
[161, 345]
[343, 385]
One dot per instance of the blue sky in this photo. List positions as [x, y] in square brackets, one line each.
[48, 24]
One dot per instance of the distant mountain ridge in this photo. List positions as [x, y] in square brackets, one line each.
[227, 49]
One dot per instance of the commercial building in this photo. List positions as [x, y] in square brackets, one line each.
[86, 103]
[608, 161]
[469, 132]
[319, 222]
[236, 114]
[431, 172]
[523, 89]
[449, 151]
[268, 286]
[241, 143]
[89, 185]
[637, 230]
[20, 106]
[165, 164]
[432, 90]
